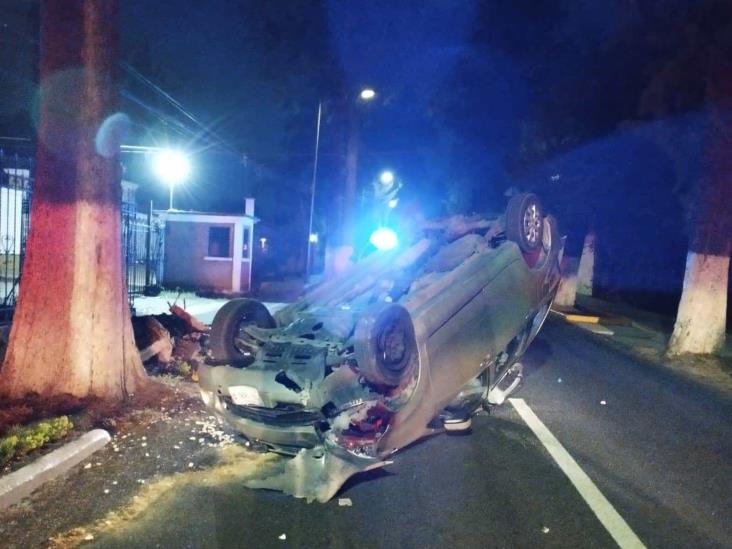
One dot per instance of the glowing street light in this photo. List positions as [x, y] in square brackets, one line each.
[386, 177]
[367, 94]
[172, 167]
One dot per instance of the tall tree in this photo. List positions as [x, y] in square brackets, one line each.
[702, 315]
[72, 332]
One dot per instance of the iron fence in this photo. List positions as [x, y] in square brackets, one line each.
[142, 251]
[142, 236]
[16, 184]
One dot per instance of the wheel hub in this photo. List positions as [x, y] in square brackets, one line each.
[532, 224]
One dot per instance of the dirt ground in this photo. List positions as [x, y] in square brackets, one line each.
[153, 448]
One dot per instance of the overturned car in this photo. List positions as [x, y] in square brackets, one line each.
[407, 343]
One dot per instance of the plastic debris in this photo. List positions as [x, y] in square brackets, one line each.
[345, 502]
[87, 466]
[603, 402]
[559, 380]
[282, 537]
[544, 530]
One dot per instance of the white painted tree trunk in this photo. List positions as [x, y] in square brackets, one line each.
[702, 316]
[586, 270]
[567, 291]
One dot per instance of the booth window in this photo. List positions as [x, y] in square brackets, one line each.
[218, 242]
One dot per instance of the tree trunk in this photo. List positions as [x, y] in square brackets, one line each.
[702, 316]
[586, 269]
[71, 332]
[567, 291]
[339, 250]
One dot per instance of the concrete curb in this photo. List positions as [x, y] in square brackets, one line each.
[20, 483]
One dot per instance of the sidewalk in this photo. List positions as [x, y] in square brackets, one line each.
[203, 308]
[647, 334]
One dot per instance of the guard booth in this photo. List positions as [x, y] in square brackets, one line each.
[209, 251]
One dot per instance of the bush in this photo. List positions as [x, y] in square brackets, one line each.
[7, 448]
[23, 439]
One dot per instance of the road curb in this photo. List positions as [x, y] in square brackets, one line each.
[20, 483]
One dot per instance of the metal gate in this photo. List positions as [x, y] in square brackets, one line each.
[16, 183]
[142, 251]
[142, 236]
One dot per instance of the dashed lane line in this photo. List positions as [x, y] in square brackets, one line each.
[603, 509]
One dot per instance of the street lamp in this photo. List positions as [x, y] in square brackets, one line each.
[366, 94]
[172, 167]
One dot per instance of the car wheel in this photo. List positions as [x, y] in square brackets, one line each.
[525, 222]
[227, 324]
[385, 345]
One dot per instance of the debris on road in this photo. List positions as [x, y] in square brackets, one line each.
[171, 344]
[194, 324]
[154, 341]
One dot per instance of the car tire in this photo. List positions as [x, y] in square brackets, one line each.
[385, 345]
[226, 325]
[525, 222]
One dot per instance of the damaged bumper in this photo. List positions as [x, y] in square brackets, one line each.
[316, 475]
[317, 468]
[280, 433]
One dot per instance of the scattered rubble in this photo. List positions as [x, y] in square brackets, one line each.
[171, 344]
[193, 323]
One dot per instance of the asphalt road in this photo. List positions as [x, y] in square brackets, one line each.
[659, 449]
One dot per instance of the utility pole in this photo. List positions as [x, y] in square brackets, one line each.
[308, 256]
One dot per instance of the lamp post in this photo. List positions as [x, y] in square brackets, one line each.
[172, 167]
[365, 95]
[312, 192]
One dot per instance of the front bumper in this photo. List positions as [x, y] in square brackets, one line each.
[288, 437]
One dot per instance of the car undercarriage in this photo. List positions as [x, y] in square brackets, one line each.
[407, 343]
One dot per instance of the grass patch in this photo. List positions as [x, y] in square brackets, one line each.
[21, 440]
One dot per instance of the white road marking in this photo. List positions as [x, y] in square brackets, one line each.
[603, 509]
